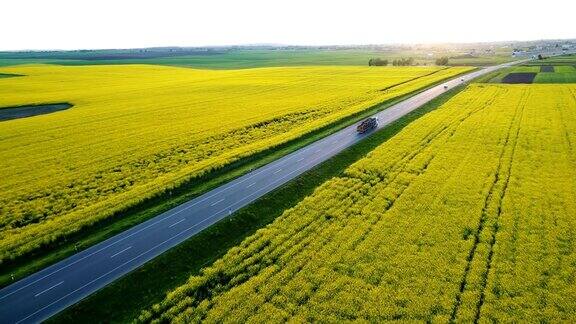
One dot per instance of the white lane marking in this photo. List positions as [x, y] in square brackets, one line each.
[217, 202]
[178, 222]
[262, 169]
[277, 171]
[263, 188]
[126, 249]
[300, 160]
[250, 185]
[318, 150]
[335, 142]
[45, 290]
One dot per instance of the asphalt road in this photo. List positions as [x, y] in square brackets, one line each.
[51, 290]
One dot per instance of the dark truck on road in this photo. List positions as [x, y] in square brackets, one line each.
[367, 125]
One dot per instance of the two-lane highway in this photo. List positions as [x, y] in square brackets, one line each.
[51, 290]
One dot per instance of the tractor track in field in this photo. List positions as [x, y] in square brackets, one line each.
[503, 168]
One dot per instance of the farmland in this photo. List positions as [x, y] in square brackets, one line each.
[227, 58]
[556, 60]
[464, 215]
[536, 74]
[206, 60]
[176, 124]
[561, 69]
[560, 74]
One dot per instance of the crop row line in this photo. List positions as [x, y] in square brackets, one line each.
[485, 215]
[500, 198]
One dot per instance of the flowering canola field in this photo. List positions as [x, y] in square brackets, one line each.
[138, 130]
[467, 214]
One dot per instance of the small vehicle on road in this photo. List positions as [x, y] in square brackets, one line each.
[367, 125]
[445, 87]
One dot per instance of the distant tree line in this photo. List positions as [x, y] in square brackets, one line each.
[377, 62]
[403, 62]
[442, 60]
[398, 62]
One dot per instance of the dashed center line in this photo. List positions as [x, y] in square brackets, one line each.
[45, 290]
[250, 185]
[217, 202]
[126, 249]
[300, 160]
[277, 171]
[178, 222]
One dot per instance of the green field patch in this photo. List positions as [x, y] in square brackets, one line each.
[8, 113]
[555, 78]
[556, 60]
[564, 69]
[526, 69]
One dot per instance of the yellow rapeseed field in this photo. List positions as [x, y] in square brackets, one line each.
[137, 130]
[466, 215]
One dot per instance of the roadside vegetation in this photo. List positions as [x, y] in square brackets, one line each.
[465, 215]
[177, 125]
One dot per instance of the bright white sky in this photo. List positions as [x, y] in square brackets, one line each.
[75, 24]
